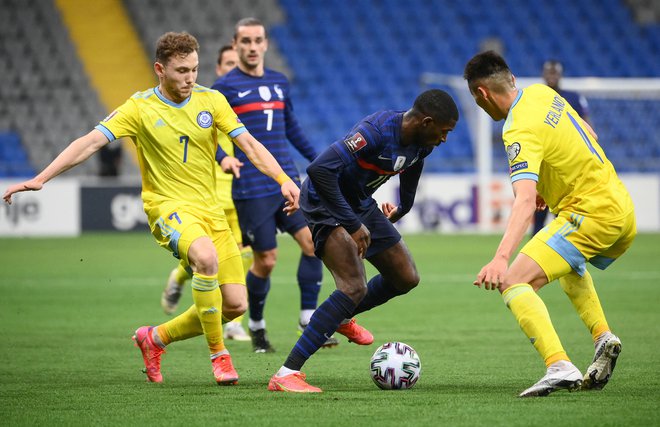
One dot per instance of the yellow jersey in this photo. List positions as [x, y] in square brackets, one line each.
[545, 141]
[176, 144]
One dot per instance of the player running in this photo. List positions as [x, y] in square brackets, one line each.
[227, 60]
[174, 127]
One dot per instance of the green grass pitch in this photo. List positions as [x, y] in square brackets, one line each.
[68, 308]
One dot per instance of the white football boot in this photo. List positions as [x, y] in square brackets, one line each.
[560, 375]
[608, 348]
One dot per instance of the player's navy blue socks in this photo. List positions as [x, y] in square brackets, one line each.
[310, 275]
[323, 324]
[379, 291]
[257, 292]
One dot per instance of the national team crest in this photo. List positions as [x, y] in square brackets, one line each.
[204, 119]
[264, 93]
[512, 151]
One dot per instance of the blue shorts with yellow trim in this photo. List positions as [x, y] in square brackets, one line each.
[570, 240]
[176, 228]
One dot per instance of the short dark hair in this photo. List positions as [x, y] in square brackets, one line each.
[437, 104]
[222, 50]
[170, 44]
[249, 22]
[553, 63]
[485, 65]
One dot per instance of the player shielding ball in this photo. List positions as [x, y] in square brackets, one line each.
[552, 151]
[347, 225]
[174, 127]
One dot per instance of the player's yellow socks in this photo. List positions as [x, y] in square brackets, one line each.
[184, 326]
[534, 319]
[581, 292]
[181, 274]
[208, 301]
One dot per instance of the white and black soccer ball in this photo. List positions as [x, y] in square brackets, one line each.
[395, 366]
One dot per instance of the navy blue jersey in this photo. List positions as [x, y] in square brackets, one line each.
[264, 107]
[343, 178]
[577, 101]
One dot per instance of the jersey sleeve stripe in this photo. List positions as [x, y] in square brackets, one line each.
[525, 175]
[237, 131]
[105, 131]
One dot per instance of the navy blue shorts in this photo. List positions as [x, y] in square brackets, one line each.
[260, 219]
[383, 234]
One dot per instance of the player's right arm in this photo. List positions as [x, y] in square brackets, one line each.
[522, 213]
[77, 152]
[266, 163]
[324, 173]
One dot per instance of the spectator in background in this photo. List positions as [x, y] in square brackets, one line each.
[553, 71]
[260, 97]
[227, 60]
[110, 158]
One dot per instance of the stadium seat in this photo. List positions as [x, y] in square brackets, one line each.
[346, 58]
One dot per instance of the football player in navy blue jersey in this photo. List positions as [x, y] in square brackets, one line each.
[347, 225]
[260, 98]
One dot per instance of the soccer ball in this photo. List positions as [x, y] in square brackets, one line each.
[395, 366]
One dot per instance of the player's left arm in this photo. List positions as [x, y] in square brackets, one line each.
[408, 181]
[522, 212]
[266, 163]
[295, 134]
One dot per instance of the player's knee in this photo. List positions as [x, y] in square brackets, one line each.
[205, 263]
[264, 263]
[232, 310]
[409, 281]
[405, 279]
[354, 291]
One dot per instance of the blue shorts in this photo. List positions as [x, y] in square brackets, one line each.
[260, 219]
[383, 234]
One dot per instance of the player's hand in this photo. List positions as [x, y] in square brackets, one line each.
[492, 274]
[291, 193]
[362, 239]
[540, 203]
[231, 165]
[391, 211]
[29, 185]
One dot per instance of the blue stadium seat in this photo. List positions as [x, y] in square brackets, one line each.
[14, 161]
[367, 64]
